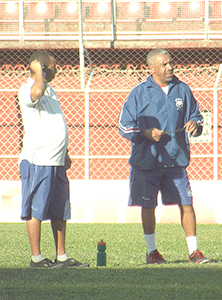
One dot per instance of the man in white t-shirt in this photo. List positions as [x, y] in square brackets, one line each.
[43, 162]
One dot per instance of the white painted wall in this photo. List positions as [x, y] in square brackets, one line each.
[100, 201]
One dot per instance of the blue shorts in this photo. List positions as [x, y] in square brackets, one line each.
[45, 192]
[173, 183]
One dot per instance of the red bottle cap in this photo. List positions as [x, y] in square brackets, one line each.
[101, 243]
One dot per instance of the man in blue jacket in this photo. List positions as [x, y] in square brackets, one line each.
[157, 118]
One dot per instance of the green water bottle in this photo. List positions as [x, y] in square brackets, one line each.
[101, 254]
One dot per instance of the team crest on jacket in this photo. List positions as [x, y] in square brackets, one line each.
[179, 103]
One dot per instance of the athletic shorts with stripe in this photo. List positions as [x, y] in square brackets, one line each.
[172, 183]
[45, 192]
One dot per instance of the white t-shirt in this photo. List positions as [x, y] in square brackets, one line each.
[46, 135]
[165, 88]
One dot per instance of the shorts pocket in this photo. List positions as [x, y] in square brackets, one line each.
[24, 169]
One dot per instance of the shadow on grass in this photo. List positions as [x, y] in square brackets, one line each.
[176, 262]
[169, 281]
[216, 261]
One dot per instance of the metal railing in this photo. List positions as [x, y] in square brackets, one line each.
[110, 20]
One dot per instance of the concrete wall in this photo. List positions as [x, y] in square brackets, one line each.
[106, 202]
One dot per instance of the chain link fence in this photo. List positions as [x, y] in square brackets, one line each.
[117, 36]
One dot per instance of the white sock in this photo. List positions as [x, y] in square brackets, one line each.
[150, 240]
[191, 243]
[37, 258]
[63, 257]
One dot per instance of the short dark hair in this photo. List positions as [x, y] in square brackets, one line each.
[42, 56]
[152, 55]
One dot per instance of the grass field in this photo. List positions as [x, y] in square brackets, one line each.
[126, 275]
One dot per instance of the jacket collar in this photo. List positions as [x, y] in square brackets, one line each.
[151, 83]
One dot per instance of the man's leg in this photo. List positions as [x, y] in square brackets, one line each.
[148, 220]
[59, 233]
[188, 219]
[188, 222]
[149, 223]
[34, 232]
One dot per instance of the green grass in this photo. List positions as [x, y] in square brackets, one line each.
[126, 275]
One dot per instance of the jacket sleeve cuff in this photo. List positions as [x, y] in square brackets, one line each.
[199, 130]
[142, 133]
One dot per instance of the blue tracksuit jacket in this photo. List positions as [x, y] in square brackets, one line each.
[148, 106]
